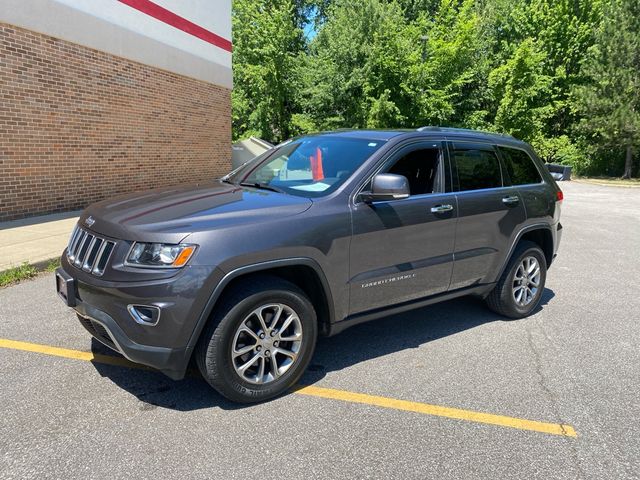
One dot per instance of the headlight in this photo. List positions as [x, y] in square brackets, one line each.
[159, 255]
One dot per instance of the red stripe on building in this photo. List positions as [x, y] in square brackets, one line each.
[170, 18]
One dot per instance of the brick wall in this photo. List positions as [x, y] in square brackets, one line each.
[78, 125]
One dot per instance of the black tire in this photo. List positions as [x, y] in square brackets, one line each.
[214, 350]
[501, 299]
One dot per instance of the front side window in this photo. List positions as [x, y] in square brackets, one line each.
[311, 166]
[421, 168]
[477, 169]
[520, 166]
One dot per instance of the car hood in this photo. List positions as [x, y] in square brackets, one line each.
[170, 214]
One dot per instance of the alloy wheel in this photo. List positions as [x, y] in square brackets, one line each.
[526, 281]
[266, 343]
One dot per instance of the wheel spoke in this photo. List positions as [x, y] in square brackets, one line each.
[519, 295]
[274, 366]
[261, 318]
[529, 296]
[242, 351]
[248, 331]
[293, 338]
[276, 317]
[249, 363]
[260, 374]
[287, 322]
[288, 353]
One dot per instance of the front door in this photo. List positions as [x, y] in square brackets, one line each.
[402, 250]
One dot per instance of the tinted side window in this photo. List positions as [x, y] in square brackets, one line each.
[420, 167]
[477, 169]
[520, 166]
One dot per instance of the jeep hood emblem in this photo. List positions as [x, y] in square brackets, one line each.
[89, 221]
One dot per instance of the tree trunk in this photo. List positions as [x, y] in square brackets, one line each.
[628, 164]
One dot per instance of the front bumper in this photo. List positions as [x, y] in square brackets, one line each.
[172, 362]
[102, 308]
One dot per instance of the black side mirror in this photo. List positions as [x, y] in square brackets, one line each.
[385, 187]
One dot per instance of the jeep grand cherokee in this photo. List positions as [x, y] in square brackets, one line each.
[319, 233]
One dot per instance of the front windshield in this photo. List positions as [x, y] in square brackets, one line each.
[309, 166]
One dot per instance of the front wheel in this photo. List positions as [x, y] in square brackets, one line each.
[259, 341]
[519, 290]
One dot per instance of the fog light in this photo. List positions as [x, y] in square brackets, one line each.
[145, 314]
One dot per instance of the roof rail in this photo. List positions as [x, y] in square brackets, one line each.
[460, 130]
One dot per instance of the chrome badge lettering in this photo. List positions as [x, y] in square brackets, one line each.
[388, 280]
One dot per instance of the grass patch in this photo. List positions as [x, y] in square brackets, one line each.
[52, 265]
[17, 274]
[613, 181]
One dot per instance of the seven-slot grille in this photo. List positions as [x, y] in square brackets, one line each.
[89, 251]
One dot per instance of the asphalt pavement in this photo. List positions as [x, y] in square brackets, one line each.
[575, 362]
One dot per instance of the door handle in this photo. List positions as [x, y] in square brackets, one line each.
[511, 200]
[441, 208]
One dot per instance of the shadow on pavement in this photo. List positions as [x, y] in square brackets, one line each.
[357, 344]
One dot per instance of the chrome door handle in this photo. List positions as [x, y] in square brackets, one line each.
[511, 200]
[441, 208]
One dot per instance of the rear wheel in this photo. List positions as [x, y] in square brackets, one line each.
[259, 341]
[519, 290]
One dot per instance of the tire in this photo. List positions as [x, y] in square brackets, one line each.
[271, 299]
[503, 299]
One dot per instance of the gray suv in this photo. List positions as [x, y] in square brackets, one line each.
[318, 234]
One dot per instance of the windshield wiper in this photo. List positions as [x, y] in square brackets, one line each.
[262, 186]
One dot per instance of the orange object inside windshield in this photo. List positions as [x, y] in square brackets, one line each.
[316, 165]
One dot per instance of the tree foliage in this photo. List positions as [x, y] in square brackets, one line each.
[561, 74]
[610, 101]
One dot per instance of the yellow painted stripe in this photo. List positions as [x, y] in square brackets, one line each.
[439, 411]
[67, 353]
[330, 393]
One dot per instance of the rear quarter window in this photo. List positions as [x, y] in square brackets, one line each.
[520, 166]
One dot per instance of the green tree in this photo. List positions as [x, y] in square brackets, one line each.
[355, 63]
[522, 90]
[610, 101]
[267, 39]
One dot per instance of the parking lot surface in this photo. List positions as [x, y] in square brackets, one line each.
[372, 408]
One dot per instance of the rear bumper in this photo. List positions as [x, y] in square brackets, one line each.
[557, 237]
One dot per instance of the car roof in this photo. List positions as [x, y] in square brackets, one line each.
[449, 132]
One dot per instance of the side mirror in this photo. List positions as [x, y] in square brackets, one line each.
[387, 186]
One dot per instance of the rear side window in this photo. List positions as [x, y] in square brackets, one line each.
[520, 166]
[477, 169]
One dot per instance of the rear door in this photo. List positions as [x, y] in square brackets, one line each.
[402, 250]
[488, 213]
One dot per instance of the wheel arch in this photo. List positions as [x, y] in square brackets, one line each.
[306, 273]
[540, 234]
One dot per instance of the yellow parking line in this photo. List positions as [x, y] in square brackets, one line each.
[66, 353]
[330, 393]
[426, 409]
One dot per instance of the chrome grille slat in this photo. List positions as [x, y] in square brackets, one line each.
[74, 235]
[77, 241]
[82, 251]
[95, 270]
[87, 264]
[89, 252]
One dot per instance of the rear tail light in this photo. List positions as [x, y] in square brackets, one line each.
[559, 196]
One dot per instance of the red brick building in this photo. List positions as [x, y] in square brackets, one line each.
[104, 97]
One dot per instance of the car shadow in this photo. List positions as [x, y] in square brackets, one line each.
[357, 344]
